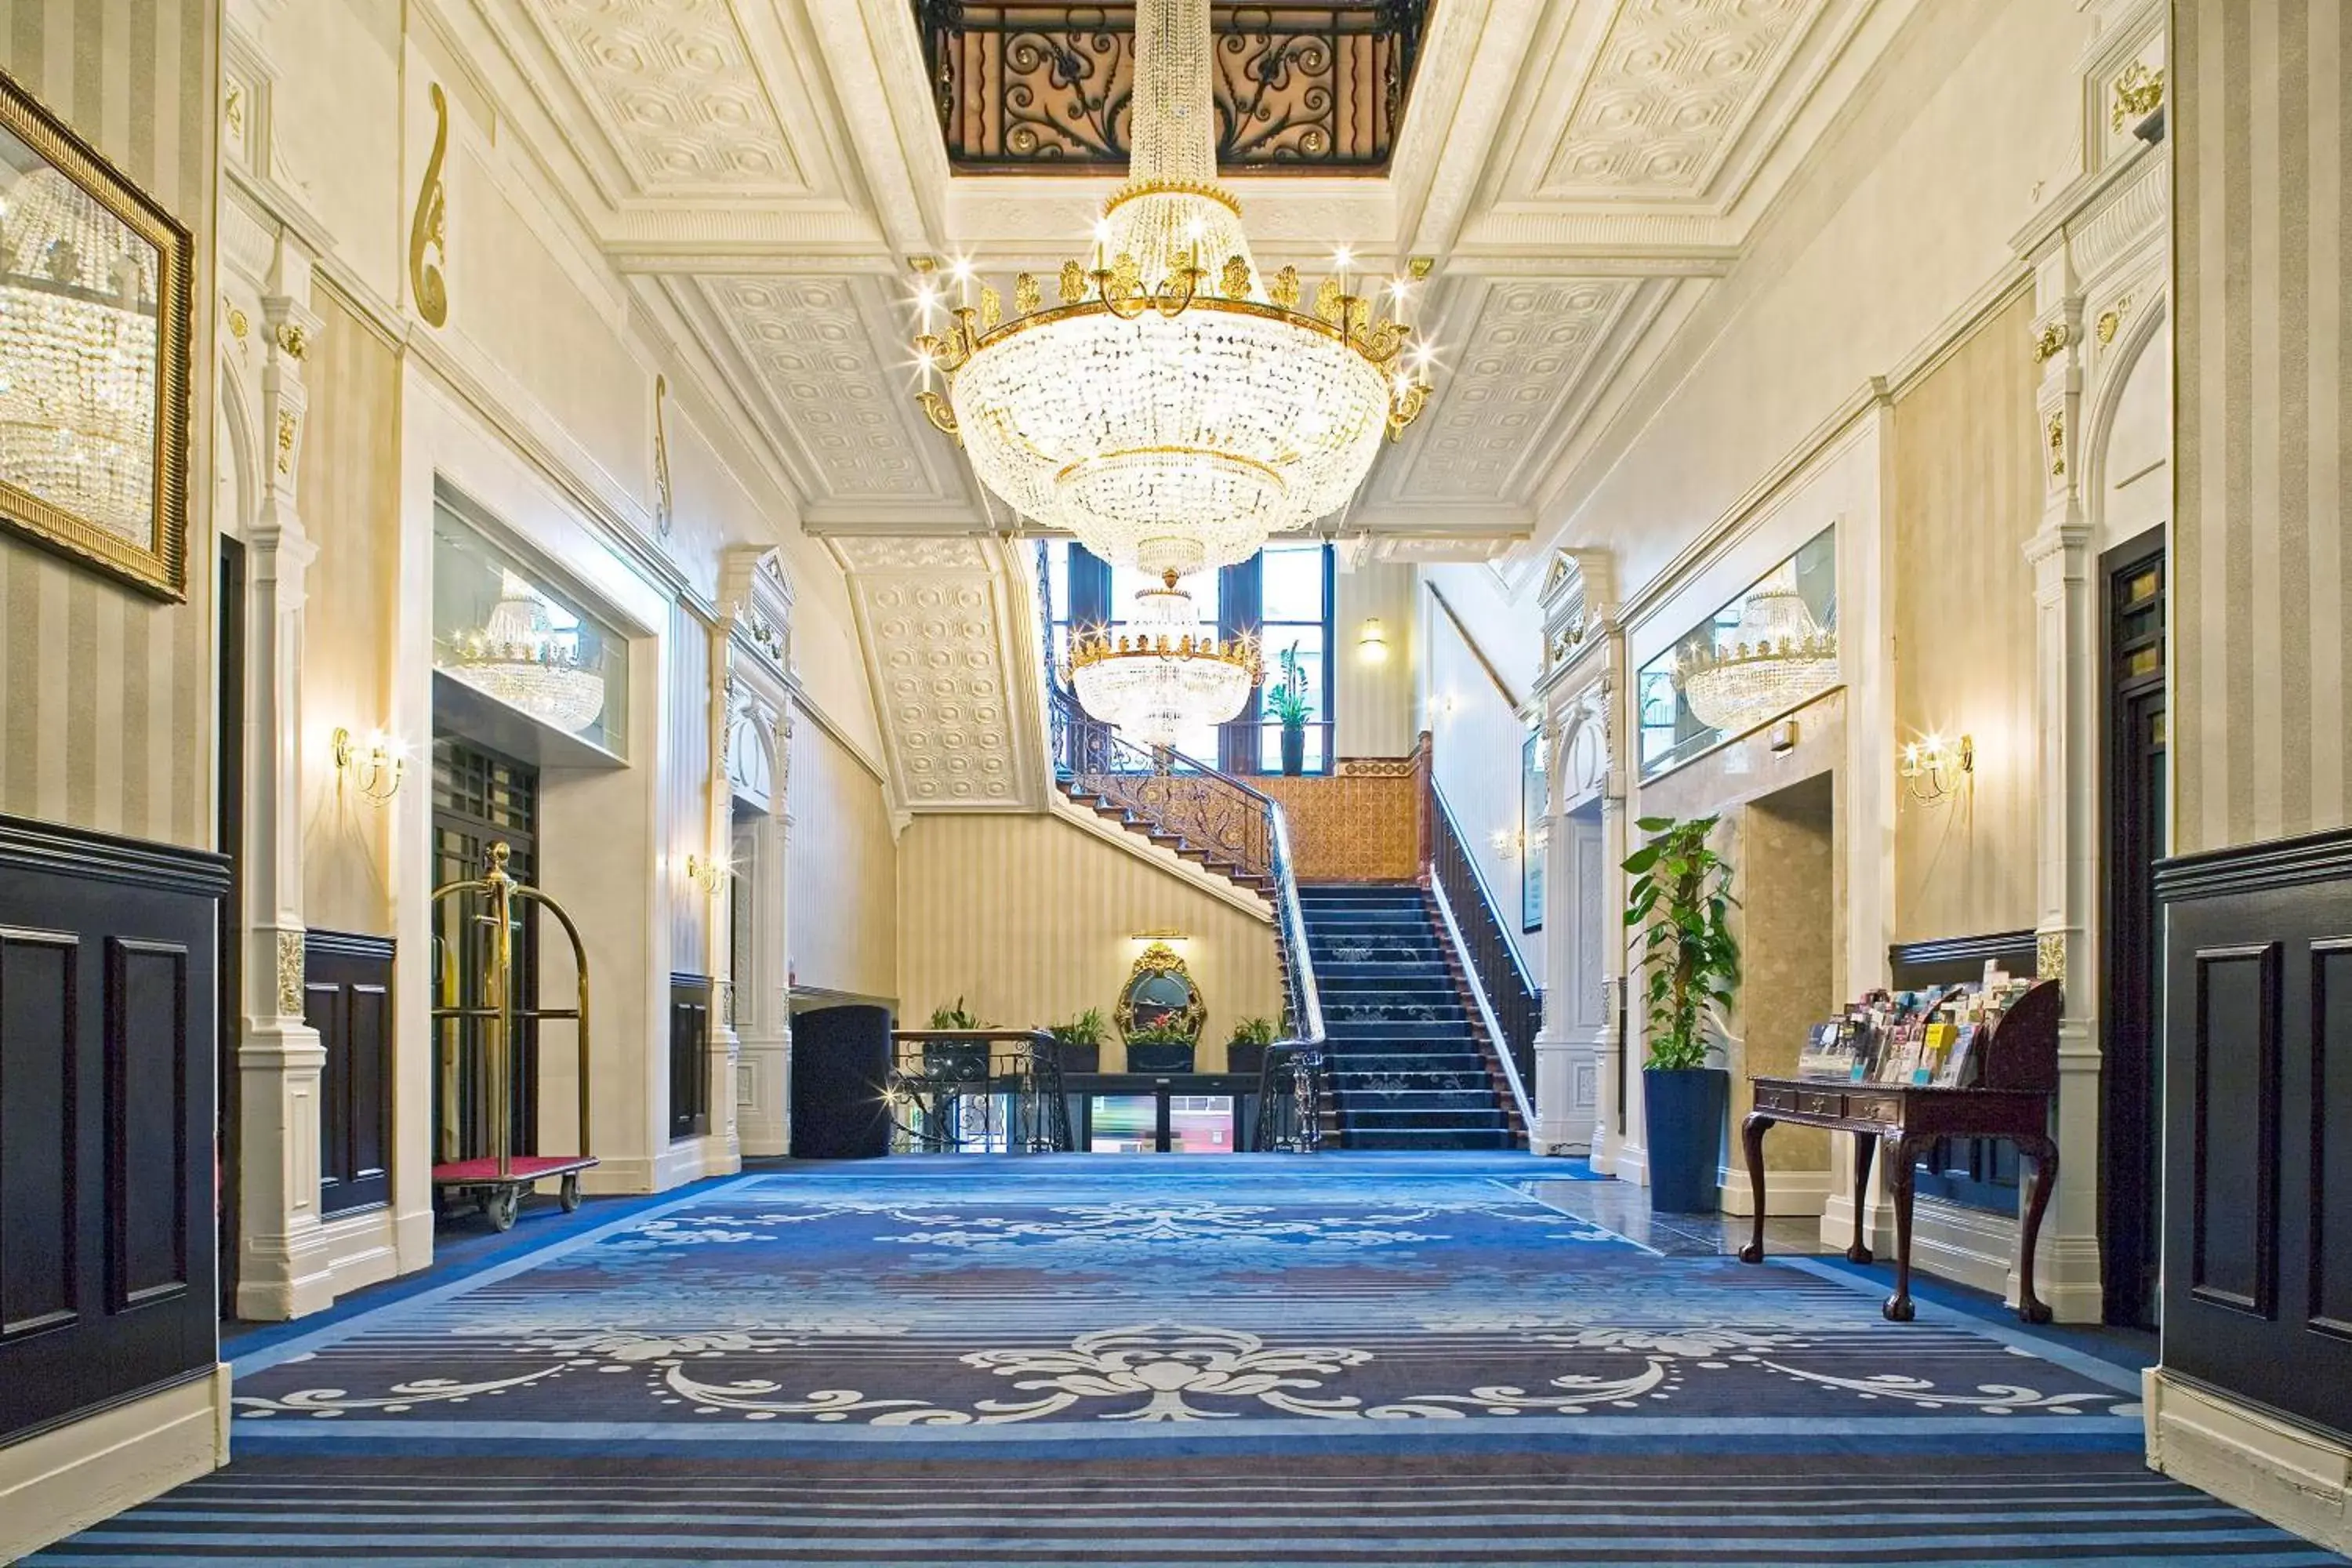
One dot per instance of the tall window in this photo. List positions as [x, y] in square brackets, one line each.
[1283, 594]
[1295, 613]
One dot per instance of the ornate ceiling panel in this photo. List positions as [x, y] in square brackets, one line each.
[1507, 389]
[856, 435]
[935, 617]
[1668, 90]
[672, 86]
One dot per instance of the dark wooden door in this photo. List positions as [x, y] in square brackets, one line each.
[689, 1056]
[2131, 1062]
[479, 799]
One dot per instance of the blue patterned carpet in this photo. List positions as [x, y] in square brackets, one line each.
[1258, 1361]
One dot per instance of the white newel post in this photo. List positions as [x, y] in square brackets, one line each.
[282, 1269]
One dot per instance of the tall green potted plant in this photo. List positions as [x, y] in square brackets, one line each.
[1681, 899]
[1287, 700]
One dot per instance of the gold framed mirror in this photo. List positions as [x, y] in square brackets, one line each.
[95, 321]
[1160, 996]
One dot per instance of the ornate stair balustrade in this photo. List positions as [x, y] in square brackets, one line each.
[1223, 825]
[1314, 88]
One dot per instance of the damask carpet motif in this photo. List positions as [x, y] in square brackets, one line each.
[1078, 1360]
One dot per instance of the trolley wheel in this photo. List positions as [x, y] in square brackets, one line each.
[570, 1195]
[502, 1205]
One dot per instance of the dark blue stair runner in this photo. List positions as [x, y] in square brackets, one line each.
[1406, 1068]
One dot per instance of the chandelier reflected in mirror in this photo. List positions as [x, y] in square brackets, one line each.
[1776, 657]
[521, 658]
[1171, 406]
[78, 314]
[1165, 672]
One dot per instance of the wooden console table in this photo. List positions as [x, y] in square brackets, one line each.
[2020, 1075]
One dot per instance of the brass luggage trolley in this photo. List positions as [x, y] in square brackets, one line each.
[495, 1179]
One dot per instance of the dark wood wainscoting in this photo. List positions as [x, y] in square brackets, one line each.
[689, 1056]
[109, 976]
[347, 998]
[1978, 1173]
[2258, 1128]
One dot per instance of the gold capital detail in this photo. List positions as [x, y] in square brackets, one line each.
[429, 230]
[290, 959]
[2050, 956]
[2053, 338]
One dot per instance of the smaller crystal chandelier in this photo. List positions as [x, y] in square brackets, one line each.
[1776, 657]
[520, 657]
[1164, 674]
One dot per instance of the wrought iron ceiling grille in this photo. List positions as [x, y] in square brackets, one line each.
[1311, 87]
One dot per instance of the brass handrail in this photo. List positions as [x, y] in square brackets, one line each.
[499, 1036]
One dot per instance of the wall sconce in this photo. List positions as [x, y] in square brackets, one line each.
[1372, 641]
[1935, 769]
[708, 874]
[375, 769]
[1513, 842]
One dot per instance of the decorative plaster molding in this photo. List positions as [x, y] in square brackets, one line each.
[1507, 389]
[1671, 87]
[673, 86]
[934, 618]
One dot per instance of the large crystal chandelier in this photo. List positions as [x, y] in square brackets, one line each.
[1165, 672]
[1776, 658]
[77, 330]
[1172, 407]
[519, 657]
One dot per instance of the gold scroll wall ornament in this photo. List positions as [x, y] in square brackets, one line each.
[2053, 338]
[2140, 92]
[2056, 433]
[429, 230]
[665, 502]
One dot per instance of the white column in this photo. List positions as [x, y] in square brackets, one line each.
[1561, 1060]
[282, 1267]
[2067, 679]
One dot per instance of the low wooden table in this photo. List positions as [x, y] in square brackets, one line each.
[2021, 1074]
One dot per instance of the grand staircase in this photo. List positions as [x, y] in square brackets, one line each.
[1404, 1061]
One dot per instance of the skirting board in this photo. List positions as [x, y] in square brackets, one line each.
[1800, 1195]
[69, 1479]
[2297, 1477]
[361, 1249]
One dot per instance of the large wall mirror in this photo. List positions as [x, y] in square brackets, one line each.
[94, 330]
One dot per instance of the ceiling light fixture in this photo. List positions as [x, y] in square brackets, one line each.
[1173, 408]
[1164, 673]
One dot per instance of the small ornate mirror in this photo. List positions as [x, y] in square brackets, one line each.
[1160, 1013]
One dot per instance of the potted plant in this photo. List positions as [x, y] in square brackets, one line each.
[1681, 898]
[1159, 1047]
[1080, 1039]
[965, 1060]
[1286, 700]
[1245, 1049]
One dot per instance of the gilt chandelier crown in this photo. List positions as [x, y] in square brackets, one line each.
[1170, 405]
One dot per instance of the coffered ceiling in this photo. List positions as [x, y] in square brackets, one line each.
[1580, 170]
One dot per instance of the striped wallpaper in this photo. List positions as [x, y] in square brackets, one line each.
[105, 694]
[348, 490]
[844, 877]
[685, 786]
[2261, 571]
[1031, 919]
